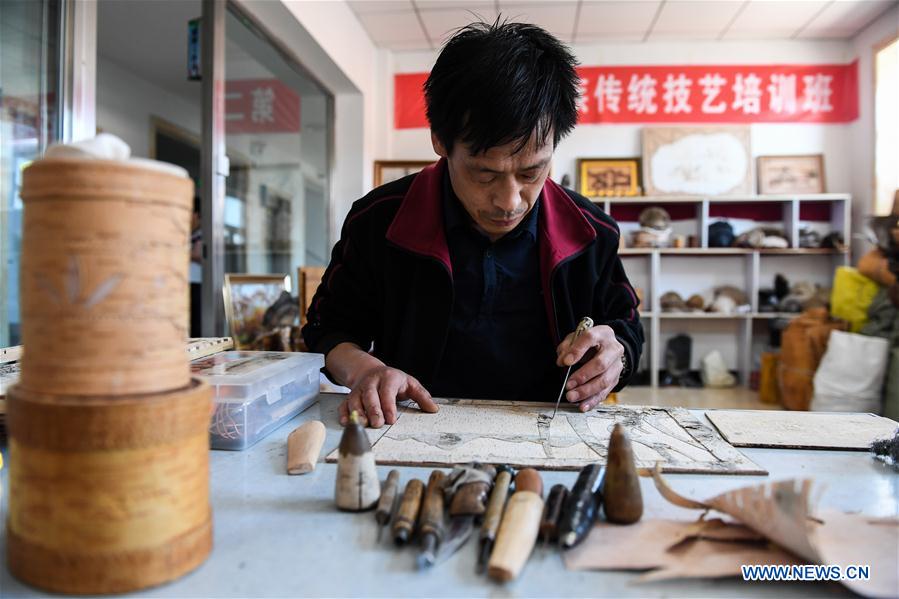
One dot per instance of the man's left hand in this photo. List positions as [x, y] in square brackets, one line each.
[595, 379]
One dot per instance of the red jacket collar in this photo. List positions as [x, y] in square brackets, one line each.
[418, 224]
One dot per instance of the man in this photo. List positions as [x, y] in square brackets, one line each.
[468, 279]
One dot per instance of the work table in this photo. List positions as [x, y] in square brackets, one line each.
[278, 535]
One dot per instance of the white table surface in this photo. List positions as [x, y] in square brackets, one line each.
[281, 536]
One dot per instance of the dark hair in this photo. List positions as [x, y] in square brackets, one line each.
[499, 83]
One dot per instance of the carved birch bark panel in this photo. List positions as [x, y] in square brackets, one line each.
[520, 434]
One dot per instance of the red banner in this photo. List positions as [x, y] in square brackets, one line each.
[261, 106]
[690, 94]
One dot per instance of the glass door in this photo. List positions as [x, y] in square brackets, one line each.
[277, 133]
[30, 59]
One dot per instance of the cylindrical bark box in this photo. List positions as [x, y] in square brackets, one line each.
[108, 495]
[104, 288]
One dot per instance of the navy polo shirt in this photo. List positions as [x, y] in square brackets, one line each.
[498, 344]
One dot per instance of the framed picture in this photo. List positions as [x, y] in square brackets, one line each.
[391, 170]
[707, 161]
[247, 297]
[791, 174]
[604, 177]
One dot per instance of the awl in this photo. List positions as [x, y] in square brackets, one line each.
[585, 324]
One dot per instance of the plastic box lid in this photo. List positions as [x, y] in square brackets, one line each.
[244, 376]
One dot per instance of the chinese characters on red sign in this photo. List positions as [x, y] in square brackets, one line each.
[690, 94]
[261, 106]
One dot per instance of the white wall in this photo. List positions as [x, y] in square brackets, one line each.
[126, 103]
[861, 132]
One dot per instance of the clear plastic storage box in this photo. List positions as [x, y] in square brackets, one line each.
[255, 392]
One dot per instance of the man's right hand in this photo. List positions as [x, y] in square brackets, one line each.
[375, 395]
[375, 386]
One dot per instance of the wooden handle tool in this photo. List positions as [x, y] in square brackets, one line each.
[387, 501]
[519, 528]
[303, 447]
[622, 499]
[552, 512]
[494, 514]
[407, 514]
[431, 524]
[357, 487]
[582, 506]
[471, 491]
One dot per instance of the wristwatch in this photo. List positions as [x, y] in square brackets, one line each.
[624, 366]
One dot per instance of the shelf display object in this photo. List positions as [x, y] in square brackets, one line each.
[800, 238]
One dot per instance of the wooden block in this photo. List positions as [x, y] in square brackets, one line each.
[303, 447]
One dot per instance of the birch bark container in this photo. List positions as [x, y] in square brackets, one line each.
[104, 289]
[108, 496]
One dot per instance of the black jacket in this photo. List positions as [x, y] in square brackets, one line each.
[389, 285]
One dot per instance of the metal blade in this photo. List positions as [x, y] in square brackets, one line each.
[459, 532]
[561, 391]
[484, 555]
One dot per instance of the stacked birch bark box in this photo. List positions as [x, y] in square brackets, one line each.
[108, 433]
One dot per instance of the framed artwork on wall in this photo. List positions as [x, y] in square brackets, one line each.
[247, 297]
[708, 161]
[391, 170]
[605, 177]
[791, 174]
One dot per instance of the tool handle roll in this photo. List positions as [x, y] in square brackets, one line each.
[303, 447]
[517, 536]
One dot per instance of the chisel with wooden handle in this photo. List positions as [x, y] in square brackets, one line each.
[387, 501]
[431, 524]
[494, 515]
[518, 531]
[407, 513]
[467, 490]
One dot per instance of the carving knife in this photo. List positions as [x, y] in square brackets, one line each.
[469, 488]
[586, 323]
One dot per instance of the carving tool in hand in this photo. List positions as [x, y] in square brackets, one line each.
[494, 514]
[552, 512]
[519, 529]
[467, 489]
[582, 506]
[431, 521]
[407, 513]
[586, 323]
[387, 501]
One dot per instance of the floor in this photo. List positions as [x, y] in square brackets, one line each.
[739, 398]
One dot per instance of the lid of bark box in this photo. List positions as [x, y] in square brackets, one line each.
[108, 147]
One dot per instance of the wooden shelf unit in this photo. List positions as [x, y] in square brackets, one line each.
[747, 261]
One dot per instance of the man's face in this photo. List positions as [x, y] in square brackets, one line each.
[497, 187]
